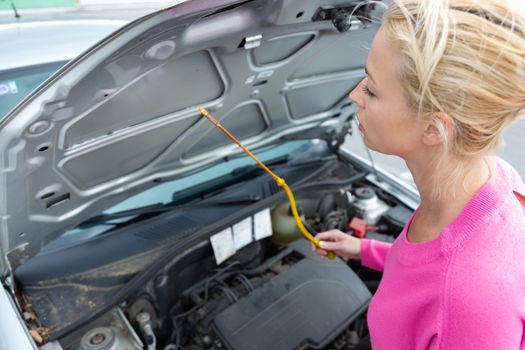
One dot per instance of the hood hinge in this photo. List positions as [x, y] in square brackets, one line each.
[344, 129]
[333, 135]
[345, 18]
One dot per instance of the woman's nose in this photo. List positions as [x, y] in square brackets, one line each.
[355, 95]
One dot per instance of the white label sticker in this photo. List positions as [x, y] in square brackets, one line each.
[222, 244]
[13, 87]
[242, 233]
[4, 89]
[8, 88]
[262, 224]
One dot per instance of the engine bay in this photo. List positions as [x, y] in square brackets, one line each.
[183, 292]
[219, 264]
[274, 293]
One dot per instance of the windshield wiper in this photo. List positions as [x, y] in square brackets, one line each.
[236, 175]
[105, 218]
[182, 197]
[242, 199]
[159, 208]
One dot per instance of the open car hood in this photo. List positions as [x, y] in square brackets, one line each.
[124, 115]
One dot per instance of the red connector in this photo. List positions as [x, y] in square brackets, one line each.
[520, 197]
[360, 227]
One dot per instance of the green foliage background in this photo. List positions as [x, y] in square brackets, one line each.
[25, 4]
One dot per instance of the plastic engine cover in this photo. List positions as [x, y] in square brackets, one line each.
[308, 304]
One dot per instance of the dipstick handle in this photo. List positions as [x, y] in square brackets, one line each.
[215, 122]
[280, 181]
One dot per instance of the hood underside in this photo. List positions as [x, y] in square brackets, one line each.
[124, 115]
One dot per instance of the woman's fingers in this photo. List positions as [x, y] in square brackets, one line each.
[321, 252]
[340, 243]
[328, 241]
[329, 245]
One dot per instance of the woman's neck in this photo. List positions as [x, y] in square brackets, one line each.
[458, 181]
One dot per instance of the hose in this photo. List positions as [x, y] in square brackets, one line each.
[278, 180]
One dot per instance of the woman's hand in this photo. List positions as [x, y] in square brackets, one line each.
[340, 243]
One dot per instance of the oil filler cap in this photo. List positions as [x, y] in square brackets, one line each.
[365, 193]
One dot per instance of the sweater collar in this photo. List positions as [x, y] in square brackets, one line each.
[475, 216]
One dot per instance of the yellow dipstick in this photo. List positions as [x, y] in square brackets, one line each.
[280, 181]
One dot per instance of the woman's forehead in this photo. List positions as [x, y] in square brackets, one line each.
[383, 60]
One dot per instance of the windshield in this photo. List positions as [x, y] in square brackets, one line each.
[168, 192]
[16, 84]
[163, 193]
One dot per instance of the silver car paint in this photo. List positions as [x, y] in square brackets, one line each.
[79, 145]
[13, 333]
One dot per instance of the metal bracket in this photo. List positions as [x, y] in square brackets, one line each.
[251, 42]
[345, 18]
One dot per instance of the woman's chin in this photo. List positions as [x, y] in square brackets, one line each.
[368, 144]
[371, 146]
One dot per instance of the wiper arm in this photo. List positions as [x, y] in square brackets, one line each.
[243, 199]
[236, 175]
[193, 192]
[159, 208]
[255, 168]
[102, 218]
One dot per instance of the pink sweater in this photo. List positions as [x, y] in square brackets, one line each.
[463, 290]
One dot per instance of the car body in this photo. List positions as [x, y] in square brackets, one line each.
[129, 221]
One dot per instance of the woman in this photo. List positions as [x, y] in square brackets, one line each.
[443, 79]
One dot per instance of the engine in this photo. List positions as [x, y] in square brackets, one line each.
[281, 304]
[274, 293]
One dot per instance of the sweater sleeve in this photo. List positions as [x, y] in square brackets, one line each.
[373, 253]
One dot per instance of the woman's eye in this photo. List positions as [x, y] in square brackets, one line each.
[367, 91]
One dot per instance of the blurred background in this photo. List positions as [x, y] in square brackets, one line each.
[50, 4]
[88, 21]
[37, 10]
[38, 4]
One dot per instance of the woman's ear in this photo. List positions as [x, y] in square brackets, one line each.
[438, 130]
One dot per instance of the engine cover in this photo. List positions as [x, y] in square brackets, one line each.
[308, 304]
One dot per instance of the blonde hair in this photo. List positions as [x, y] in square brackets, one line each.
[465, 58]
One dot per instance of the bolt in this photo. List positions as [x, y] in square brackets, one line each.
[201, 312]
[143, 317]
[206, 340]
[98, 338]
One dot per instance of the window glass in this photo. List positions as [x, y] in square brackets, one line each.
[16, 84]
[164, 193]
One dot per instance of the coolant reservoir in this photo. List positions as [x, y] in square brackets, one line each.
[367, 205]
[284, 227]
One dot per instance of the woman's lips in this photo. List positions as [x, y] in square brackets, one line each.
[359, 125]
